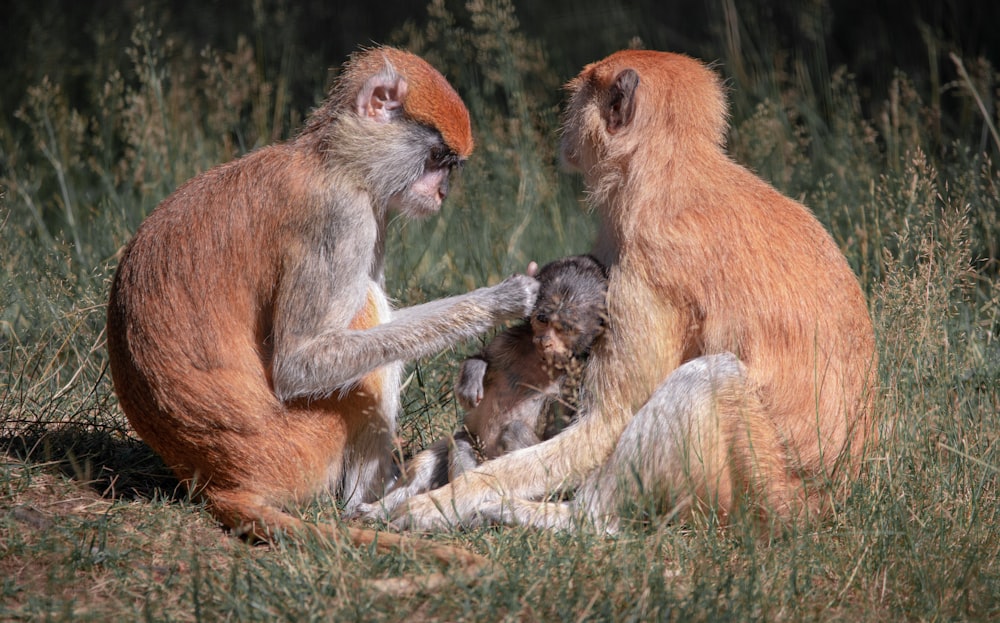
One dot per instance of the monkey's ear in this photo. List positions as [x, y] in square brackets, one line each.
[621, 101]
[381, 97]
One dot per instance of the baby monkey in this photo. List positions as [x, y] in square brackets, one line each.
[524, 387]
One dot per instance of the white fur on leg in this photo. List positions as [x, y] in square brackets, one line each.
[421, 474]
[661, 454]
[666, 451]
[669, 448]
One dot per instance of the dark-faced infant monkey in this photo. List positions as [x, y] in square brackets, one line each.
[524, 386]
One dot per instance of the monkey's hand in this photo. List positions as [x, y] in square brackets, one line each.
[469, 386]
[514, 297]
[368, 511]
[451, 506]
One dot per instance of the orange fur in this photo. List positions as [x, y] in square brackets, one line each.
[732, 265]
[704, 259]
[278, 256]
[430, 99]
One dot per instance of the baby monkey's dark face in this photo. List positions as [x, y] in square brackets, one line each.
[565, 326]
[571, 310]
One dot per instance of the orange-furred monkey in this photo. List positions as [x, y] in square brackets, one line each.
[252, 345]
[737, 369]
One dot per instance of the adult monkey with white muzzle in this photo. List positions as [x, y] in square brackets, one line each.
[252, 345]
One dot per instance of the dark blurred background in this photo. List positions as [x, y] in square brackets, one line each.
[67, 40]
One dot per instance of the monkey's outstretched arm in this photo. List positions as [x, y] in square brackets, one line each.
[335, 359]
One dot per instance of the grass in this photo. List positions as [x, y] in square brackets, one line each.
[92, 526]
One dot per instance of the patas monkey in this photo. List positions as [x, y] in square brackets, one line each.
[738, 367]
[252, 344]
[524, 387]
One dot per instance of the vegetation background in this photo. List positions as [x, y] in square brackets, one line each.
[881, 116]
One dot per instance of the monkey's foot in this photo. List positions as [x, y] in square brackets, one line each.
[370, 512]
[441, 510]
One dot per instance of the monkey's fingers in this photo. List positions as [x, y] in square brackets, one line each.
[515, 296]
[426, 512]
[373, 512]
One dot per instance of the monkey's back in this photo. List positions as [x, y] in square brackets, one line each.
[771, 287]
[190, 332]
[705, 245]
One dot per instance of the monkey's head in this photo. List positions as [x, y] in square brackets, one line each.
[639, 100]
[571, 310]
[401, 125]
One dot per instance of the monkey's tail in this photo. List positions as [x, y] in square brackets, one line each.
[471, 564]
[247, 514]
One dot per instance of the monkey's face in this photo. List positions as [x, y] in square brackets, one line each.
[409, 129]
[553, 339]
[571, 310]
[430, 183]
[563, 333]
[425, 195]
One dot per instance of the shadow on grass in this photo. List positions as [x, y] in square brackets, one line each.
[115, 467]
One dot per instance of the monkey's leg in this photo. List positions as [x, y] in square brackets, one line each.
[444, 461]
[563, 516]
[424, 471]
[673, 456]
[529, 473]
[517, 435]
[461, 456]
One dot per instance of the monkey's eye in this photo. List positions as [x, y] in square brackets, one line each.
[443, 158]
[542, 318]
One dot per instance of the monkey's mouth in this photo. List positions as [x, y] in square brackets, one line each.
[557, 359]
[432, 186]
